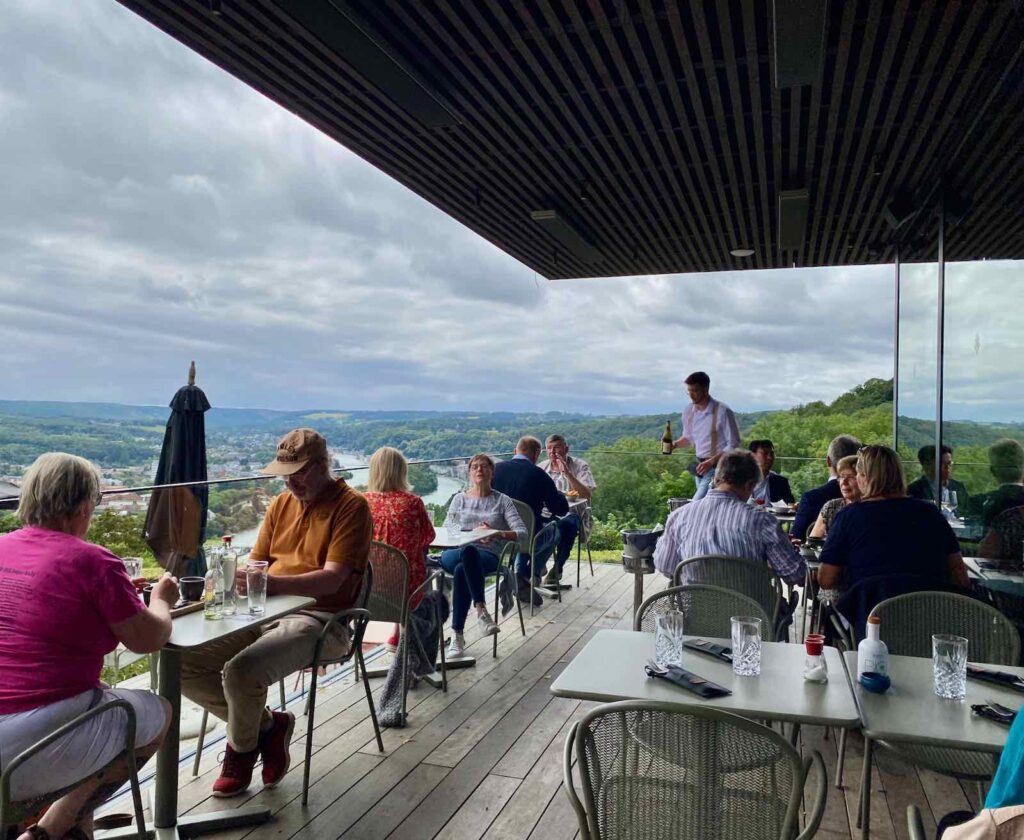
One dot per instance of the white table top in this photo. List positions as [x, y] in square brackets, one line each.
[910, 711]
[611, 667]
[990, 574]
[442, 540]
[194, 630]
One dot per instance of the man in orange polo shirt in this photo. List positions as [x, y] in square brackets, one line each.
[316, 537]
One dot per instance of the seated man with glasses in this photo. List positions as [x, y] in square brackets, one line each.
[572, 477]
[923, 487]
[316, 537]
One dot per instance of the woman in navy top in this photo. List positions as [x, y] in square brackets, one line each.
[889, 532]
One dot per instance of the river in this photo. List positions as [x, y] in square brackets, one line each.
[447, 486]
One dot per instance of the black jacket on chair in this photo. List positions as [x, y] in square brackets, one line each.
[528, 483]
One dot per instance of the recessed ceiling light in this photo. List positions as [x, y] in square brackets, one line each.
[742, 252]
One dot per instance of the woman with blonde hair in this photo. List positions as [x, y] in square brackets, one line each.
[889, 533]
[399, 516]
[74, 603]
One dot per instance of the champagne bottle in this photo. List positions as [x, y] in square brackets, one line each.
[666, 439]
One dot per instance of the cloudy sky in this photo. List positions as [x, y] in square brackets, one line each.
[157, 210]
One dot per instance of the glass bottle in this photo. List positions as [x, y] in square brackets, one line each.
[228, 565]
[666, 439]
[815, 667]
[213, 588]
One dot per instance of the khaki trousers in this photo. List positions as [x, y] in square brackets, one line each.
[230, 678]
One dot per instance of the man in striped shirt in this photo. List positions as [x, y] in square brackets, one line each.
[723, 523]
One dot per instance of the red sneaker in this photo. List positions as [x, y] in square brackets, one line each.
[391, 644]
[235, 772]
[274, 745]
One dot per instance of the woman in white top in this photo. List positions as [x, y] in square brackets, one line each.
[477, 507]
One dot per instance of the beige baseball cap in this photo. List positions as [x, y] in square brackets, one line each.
[295, 450]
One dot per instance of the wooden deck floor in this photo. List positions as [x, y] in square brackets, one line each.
[484, 760]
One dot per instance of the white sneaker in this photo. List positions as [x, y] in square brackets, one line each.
[456, 645]
[486, 624]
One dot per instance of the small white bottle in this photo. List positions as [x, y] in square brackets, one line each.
[872, 654]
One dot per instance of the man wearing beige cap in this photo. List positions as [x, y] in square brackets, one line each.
[316, 537]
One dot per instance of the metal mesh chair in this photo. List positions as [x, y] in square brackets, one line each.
[908, 622]
[653, 771]
[532, 538]
[14, 812]
[358, 617]
[707, 610]
[390, 600]
[748, 577]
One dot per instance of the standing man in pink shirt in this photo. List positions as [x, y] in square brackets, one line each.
[709, 426]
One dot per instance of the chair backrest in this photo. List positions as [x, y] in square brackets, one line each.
[389, 597]
[654, 770]
[908, 622]
[857, 602]
[706, 610]
[748, 577]
[526, 514]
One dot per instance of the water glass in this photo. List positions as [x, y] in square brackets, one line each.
[746, 646]
[256, 585]
[668, 639]
[452, 524]
[133, 565]
[949, 661]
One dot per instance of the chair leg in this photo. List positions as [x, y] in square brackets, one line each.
[494, 638]
[579, 557]
[841, 761]
[310, 713]
[133, 780]
[440, 644]
[199, 743]
[522, 624]
[864, 815]
[280, 688]
[590, 560]
[369, 699]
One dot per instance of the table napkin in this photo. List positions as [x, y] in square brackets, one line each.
[710, 648]
[688, 680]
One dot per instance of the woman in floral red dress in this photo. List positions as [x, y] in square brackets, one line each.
[399, 517]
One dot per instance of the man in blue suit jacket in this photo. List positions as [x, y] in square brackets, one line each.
[814, 499]
[523, 480]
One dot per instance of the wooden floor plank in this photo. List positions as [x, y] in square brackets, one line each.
[378, 822]
[474, 818]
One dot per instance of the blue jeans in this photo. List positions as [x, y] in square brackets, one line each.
[545, 545]
[467, 565]
[568, 527]
[704, 484]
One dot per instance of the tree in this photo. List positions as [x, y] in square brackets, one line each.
[423, 479]
[8, 522]
[121, 533]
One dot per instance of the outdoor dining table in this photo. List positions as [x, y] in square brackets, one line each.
[576, 505]
[911, 712]
[192, 632]
[611, 667]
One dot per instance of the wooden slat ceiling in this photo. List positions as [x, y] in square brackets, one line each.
[654, 128]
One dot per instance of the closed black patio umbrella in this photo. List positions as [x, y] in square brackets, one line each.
[176, 518]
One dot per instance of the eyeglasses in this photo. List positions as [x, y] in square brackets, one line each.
[97, 499]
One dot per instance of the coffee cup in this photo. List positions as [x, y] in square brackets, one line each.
[147, 594]
[191, 587]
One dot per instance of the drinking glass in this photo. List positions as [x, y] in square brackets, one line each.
[668, 639]
[133, 565]
[452, 524]
[949, 662]
[746, 646]
[952, 503]
[256, 585]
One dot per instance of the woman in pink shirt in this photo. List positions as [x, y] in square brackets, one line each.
[64, 604]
